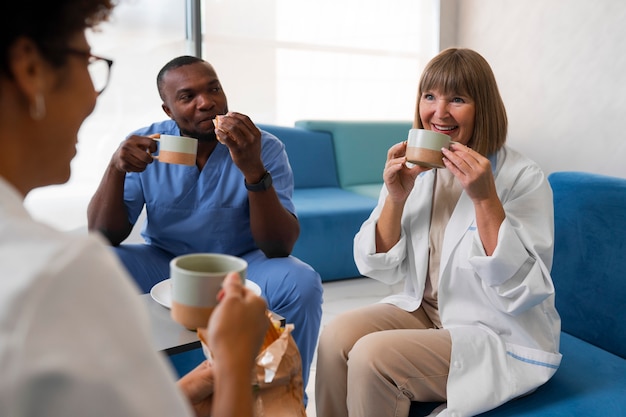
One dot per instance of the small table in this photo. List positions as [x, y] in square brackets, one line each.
[169, 336]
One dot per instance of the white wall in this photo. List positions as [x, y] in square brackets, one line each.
[560, 65]
[284, 60]
[561, 68]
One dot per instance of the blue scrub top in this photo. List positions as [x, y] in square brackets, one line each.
[202, 211]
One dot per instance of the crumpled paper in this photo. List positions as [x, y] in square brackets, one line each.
[269, 359]
[277, 377]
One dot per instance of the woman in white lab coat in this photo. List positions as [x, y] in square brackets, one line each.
[476, 324]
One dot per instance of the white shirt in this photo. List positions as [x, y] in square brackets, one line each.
[499, 309]
[74, 336]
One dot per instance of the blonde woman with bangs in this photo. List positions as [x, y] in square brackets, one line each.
[475, 325]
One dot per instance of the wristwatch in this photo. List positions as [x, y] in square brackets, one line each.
[264, 184]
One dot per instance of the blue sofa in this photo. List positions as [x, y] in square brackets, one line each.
[589, 274]
[337, 167]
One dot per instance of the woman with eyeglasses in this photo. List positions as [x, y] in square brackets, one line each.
[74, 339]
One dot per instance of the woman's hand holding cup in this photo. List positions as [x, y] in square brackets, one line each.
[399, 178]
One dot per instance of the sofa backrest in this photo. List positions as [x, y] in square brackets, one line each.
[311, 155]
[589, 267]
[360, 148]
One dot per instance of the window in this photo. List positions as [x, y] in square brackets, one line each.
[284, 60]
[278, 60]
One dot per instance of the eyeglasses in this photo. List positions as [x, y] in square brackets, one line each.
[99, 68]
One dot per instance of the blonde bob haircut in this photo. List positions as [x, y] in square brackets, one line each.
[465, 72]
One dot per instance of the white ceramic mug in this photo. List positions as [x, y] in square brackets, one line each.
[424, 147]
[177, 150]
[196, 281]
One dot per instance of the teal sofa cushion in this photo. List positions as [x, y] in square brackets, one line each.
[360, 149]
[367, 190]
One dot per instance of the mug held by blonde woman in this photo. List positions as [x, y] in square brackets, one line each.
[196, 281]
[424, 147]
[177, 150]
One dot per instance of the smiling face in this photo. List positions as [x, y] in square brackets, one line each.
[192, 97]
[451, 114]
[458, 95]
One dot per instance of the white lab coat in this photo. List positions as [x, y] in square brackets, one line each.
[499, 309]
[75, 338]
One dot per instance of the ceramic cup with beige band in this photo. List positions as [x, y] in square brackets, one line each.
[177, 150]
[196, 281]
[424, 147]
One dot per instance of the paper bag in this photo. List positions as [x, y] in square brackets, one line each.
[279, 389]
[277, 377]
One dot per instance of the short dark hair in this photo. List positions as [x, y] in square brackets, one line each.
[49, 24]
[177, 62]
[464, 71]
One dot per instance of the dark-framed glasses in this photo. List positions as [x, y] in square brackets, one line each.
[99, 68]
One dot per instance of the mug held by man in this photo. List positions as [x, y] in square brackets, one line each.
[424, 147]
[177, 150]
[196, 281]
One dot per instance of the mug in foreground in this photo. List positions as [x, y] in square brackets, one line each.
[196, 281]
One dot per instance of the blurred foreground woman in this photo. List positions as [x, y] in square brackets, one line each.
[74, 337]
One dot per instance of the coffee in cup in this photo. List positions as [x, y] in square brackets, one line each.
[424, 147]
[196, 281]
[177, 150]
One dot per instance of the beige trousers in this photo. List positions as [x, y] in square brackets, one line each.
[375, 360]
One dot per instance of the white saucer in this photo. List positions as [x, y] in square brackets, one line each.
[162, 292]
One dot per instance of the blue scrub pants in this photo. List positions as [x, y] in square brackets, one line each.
[291, 288]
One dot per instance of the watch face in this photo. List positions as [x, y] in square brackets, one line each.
[264, 184]
[267, 180]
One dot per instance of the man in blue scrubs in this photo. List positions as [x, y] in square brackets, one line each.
[236, 199]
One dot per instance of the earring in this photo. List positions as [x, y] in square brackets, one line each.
[38, 108]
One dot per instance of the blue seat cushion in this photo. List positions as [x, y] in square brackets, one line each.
[329, 219]
[590, 382]
[311, 155]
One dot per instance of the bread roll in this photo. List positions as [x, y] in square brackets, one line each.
[216, 122]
